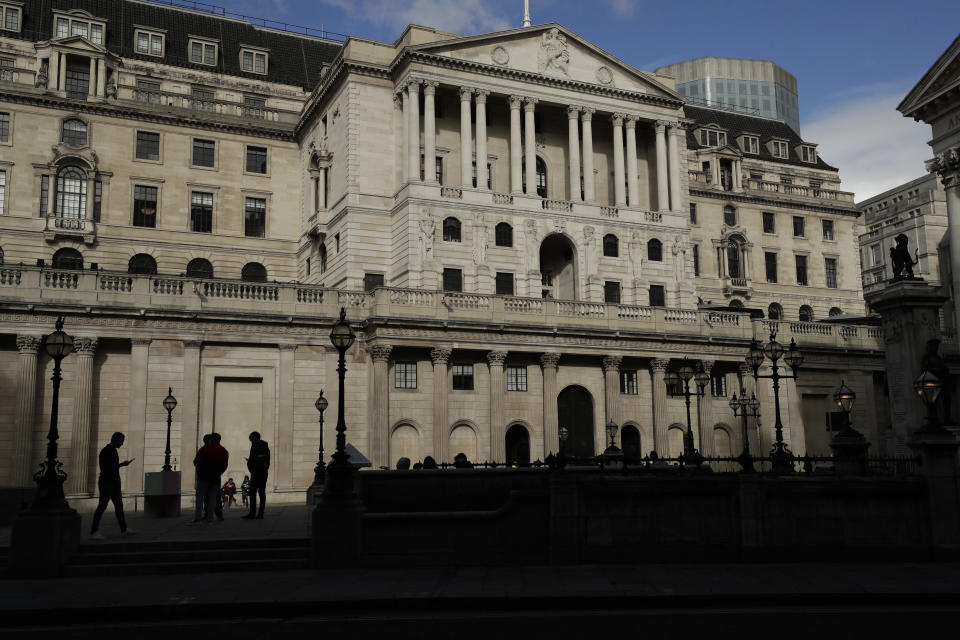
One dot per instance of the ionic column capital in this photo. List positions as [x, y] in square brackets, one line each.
[466, 94]
[380, 352]
[947, 166]
[617, 119]
[430, 87]
[611, 363]
[516, 102]
[573, 111]
[529, 104]
[85, 346]
[29, 344]
[659, 365]
[550, 360]
[441, 355]
[496, 358]
[480, 95]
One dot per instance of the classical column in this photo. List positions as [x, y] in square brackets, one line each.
[101, 78]
[379, 430]
[573, 148]
[530, 144]
[53, 71]
[137, 411]
[92, 84]
[674, 143]
[481, 99]
[414, 131]
[633, 183]
[658, 368]
[466, 143]
[498, 449]
[429, 133]
[322, 188]
[611, 386]
[738, 175]
[516, 147]
[189, 407]
[23, 461]
[663, 197]
[704, 440]
[283, 450]
[589, 184]
[405, 107]
[551, 435]
[947, 166]
[619, 190]
[62, 83]
[80, 475]
[441, 360]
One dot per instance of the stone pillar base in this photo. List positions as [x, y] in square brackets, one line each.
[336, 533]
[850, 453]
[42, 542]
[938, 465]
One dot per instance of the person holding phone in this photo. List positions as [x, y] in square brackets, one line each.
[109, 485]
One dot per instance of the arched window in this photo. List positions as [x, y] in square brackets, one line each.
[504, 235]
[253, 272]
[67, 258]
[736, 304]
[199, 268]
[733, 260]
[806, 313]
[323, 258]
[74, 133]
[835, 311]
[775, 312]
[142, 264]
[451, 229]
[611, 246]
[541, 177]
[730, 216]
[71, 193]
[655, 250]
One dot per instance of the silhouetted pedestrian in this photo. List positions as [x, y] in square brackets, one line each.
[258, 464]
[429, 463]
[403, 464]
[460, 461]
[210, 461]
[245, 489]
[109, 486]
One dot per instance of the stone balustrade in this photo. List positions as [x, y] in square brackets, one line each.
[167, 99]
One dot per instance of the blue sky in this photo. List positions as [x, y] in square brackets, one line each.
[854, 60]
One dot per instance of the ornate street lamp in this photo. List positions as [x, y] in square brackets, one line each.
[744, 409]
[169, 403]
[320, 471]
[340, 469]
[928, 387]
[845, 397]
[780, 453]
[50, 477]
[682, 378]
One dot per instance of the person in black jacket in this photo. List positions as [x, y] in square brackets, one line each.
[258, 463]
[109, 485]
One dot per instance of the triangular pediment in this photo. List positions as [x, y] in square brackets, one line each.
[552, 51]
[80, 43]
[942, 77]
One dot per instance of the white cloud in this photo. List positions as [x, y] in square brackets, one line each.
[623, 8]
[874, 146]
[465, 17]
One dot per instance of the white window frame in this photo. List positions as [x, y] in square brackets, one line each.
[808, 153]
[516, 376]
[5, 10]
[253, 53]
[204, 43]
[705, 137]
[151, 35]
[6, 170]
[779, 149]
[90, 24]
[751, 144]
[9, 141]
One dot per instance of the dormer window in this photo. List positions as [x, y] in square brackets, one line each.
[149, 43]
[203, 52]
[778, 149]
[9, 18]
[67, 26]
[253, 61]
[712, 138]
[751, 144]
[808, 153]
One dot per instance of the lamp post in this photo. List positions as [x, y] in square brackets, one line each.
[780, 453]
[928, 387]
[744, 409]
[682, 377]
[845, 397]
[340, 469]
[50, 477]
[169, 403]
[320, 471]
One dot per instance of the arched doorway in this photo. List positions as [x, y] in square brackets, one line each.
[518, 446]
[558, 268]
[575, 408]
[405, 443]
[630, 442]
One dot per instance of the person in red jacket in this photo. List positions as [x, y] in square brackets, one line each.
[211, 461]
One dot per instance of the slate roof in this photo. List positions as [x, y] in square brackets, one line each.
[738, 123]
[294, 60]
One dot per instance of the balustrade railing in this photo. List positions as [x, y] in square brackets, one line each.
[652, 216]
[466, 301]
[10, 277]
[557, 205]
[61, 279]
[609, 212]
[454, 193]
[502, 198]
[202, 105]
[116, 283]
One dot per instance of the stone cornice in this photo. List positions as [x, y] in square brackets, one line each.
[749, 197]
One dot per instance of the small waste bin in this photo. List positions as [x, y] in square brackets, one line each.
[161, 494]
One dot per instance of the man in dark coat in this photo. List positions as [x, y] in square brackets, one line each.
[210, 462]
[109, 485]
[258, 463]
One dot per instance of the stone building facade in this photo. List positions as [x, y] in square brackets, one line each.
[508, 220]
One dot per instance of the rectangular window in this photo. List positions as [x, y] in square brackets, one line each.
[750, 144]
[611, 292]
[628, 382]
[516, 378]
[148, 145]
[404, 375]
[255, 218]
[63, 28]
[827, 229]
[44, 194]
[801, 270]
[253, 61]
[254, 107]
[718, 385]
[203, 99]
[3, 190]
[463, 377]
[693, 213]
[504, 283]
[798, 230]
[148, 91]
[876, 254]
[11, 19]
[77, 84]
[770, 261]
[696, 260]
[712, 138]
[452, 279]
[145, 206]
[4, 127]
[149, 44]
[203, 53]
[830, 268]
[489, 175]
[808, 154]
[97, 200]
[201, 212]
[96, 33]
[78, 28]
[204, 153]
[769, 222]
[256, 159]
[372, 280]
[6, 69]
[439, 170]
[779, 149]
[657, 295]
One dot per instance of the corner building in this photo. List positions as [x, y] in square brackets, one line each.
[507, 219]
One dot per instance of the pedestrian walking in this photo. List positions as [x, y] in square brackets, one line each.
[109, 486]
[229, 491]
[258, 463]
[245, 489]
[210, 462]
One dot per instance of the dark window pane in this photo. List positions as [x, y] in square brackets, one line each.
[148, 145]
[256, 160]
[798, 226]
[372, 280]
[74, 133]
[504, 284]
[770, 260]
[77, 84]
[655, 250]
[203, 100]
[142, 264]
[801, 270]
[611, 246]
[405, 375]
[452, 280]
[768, 222]
[199, 268]
[504, 235]
[611, 292]
[451, 230]
[253, 272]
[255, 218]
[463, 377]
[254, 107]
[201, 212]
[144, 206]
[204, 153]
[657, 296]
[67, 259]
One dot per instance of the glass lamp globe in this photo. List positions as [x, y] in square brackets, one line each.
[611, 429]
[671, 378]
[342, 335]
[773, 350]
[321, 403]
[685, 372]
[734, 403]
[793, 357]
[58, 344]
[928, 387]
[564, 434]
[169, 403]
[702, 377]
[845, 397]
[755, 356]
[754, 403]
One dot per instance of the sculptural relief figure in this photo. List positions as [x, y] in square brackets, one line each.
[554, 56]
[533, 248]
[679, 258]
[903, 264]
[111, 88]
[428, 229]
[635, 253]
[589, 251]
[41, 80]
[480, 240]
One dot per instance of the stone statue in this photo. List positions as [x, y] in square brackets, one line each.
[111, 88]
[903, 264]
[480, 241]
[554, 56]
[679, 257]
[41, 80]
[533, 247]
[428, 230]
[635, 253]
[589, 251]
